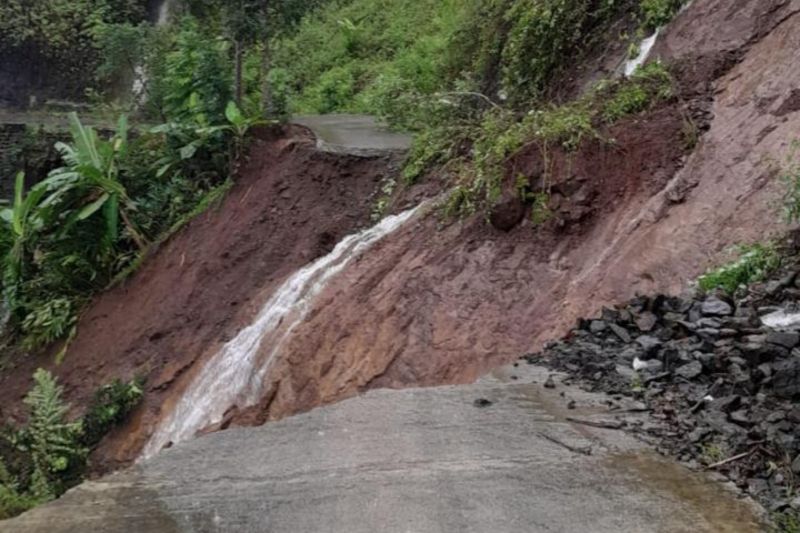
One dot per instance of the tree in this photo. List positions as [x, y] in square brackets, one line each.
[251, 22]
[245, 24]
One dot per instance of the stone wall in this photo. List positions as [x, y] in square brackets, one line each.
[11, 138]
[29, 149]
[28, 80]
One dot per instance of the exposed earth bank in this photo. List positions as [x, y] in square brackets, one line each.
[645, 213]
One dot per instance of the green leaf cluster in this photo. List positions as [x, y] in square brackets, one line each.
[500, 133]
[109, 407]
[47, 456]
[76, 231]
[754, 263]
[656, 13]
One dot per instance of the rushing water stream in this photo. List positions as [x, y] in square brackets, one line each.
[236, 375]
[645, 48]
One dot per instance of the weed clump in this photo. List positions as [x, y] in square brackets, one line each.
[755, 262]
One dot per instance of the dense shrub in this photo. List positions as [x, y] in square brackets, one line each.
[109, 407]
[656, 13]
[47, 456]
[499, 133]
[59, 37]
[361, 55]
[471, 79]
[90, 219]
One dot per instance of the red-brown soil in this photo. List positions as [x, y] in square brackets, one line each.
[290, 205]
[649, 212]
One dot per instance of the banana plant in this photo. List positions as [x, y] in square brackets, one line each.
[89, 182]
[238, 126]
[21, 220]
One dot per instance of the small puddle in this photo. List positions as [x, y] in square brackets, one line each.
[533, 395]
[709, 506]
[536, 397]
[552, 405]
[712, 507]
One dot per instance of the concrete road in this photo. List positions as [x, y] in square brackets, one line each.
[353, 134]
[419, 461]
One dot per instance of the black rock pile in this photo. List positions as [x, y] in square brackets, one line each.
[721, 374]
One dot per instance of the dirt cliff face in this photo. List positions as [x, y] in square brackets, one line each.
[290, 205]
[649, 213]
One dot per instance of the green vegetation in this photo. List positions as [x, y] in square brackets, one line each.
[472, 80]
[90, 221]
[656, 13]
[637, 384]
[85, 224]
[65, 37]
[366, 56]
[786, 522]
[396, 59]
[469, 78]
[713, 452]
[755, 262]
[399, 59]
[790, 174]
[500, 133]
[109, 407]
[40, 461]
[388, 186]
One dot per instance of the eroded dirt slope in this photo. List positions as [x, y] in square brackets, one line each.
[647, 213]
[290, 205]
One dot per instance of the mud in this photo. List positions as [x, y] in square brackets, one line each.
[650, 212]
[290, 205]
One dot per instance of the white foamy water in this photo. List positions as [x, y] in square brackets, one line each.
[236, 375]
[163, 13]
[644, 52]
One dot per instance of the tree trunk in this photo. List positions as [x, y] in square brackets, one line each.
[238, 89]
[267, 102]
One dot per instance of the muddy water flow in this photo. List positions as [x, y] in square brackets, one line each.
[236, 375]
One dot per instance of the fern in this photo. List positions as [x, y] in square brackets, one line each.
[39, 462]
[51, 441]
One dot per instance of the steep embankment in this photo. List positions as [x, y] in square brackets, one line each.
[289, 205]
[646, 213]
